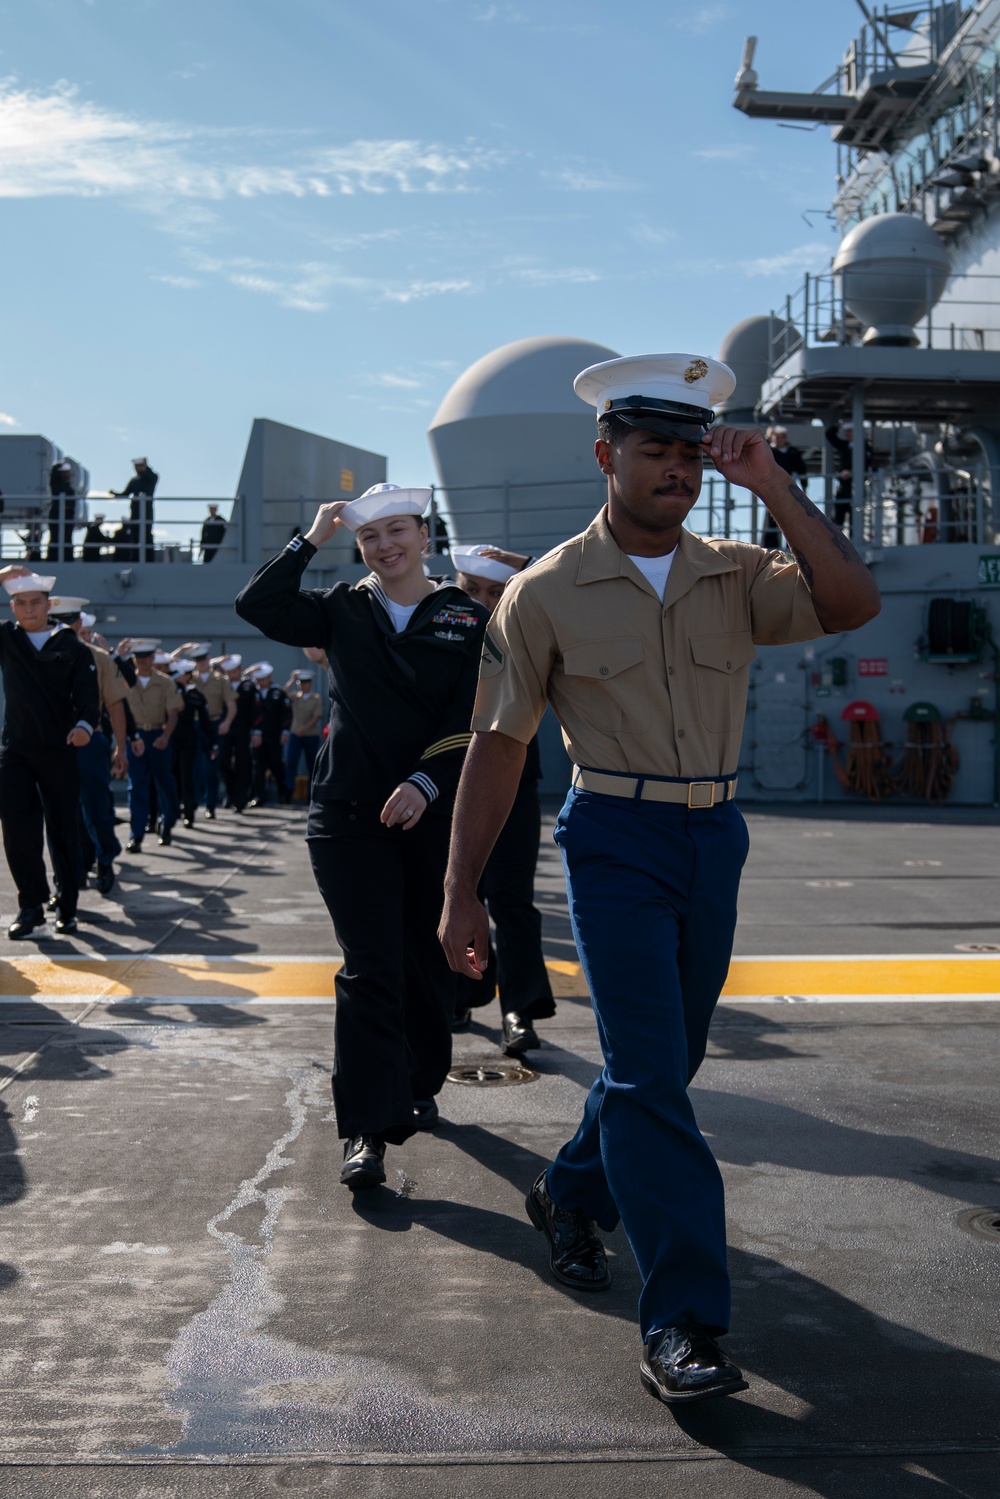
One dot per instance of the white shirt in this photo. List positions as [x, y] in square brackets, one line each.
[39, 637]
[401, 614]
[656, 570]
[144, 681]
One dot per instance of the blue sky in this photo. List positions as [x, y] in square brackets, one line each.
[322, 212]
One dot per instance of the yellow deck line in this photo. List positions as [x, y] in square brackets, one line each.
[248, 978]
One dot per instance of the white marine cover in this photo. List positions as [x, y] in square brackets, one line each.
[680, 379]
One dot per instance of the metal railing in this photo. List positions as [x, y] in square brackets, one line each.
[43, 529]
[818, 313]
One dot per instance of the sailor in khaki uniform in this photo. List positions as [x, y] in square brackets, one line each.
[98, 839]
[640, 635]
[155, 704]
[221, 699]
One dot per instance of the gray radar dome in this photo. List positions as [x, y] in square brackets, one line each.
[893, 268]
[750, 348]
[513, 446]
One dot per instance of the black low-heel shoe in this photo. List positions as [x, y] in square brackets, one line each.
[363, 1162]
[683, 1364]
[577, 1257]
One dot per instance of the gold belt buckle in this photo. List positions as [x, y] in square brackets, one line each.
[695, 786]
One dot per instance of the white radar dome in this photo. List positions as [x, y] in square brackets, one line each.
[513, 445]
[893, 269]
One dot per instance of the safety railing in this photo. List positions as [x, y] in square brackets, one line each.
[966, 316]
[100, 528]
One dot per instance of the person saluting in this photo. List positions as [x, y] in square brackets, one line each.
[641, 635]
[403, 663]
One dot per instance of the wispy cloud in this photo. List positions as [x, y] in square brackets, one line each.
[588, 179]
[560, 275]
[55, 144]
[738, 151]
[183, 283]
[810, 257]
[700, 18]
[8, 421]
[311, 286]
[652, 234]
[390, 380]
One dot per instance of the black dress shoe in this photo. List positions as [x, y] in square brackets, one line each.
[576, 1255]
[210, 813]
[25, 922]
[105, 877]
[425, 1113]
[134, 846]
[164, 838]
[66, 924]
[519, 1035]
[363, 1162]
[189, 822]
[461, 1021]
[683, 1364]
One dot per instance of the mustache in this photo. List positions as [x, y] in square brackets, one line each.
[680, 486]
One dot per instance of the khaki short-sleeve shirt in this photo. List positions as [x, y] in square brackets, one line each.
[111, 685]
[218, 693]
[151, 704]
[639, 686]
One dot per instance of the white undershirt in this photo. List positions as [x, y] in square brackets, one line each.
[401, 614]
[656, 570]
[144, 682]
[39, 637]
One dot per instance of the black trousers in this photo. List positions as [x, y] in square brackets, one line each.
[395, 992]
[516, 968]
[236, 765]
[40, 791]
[270, 756]
[185, 755]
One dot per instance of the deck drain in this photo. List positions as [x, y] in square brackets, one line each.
[983, 1222]
[977, 947]
[492, 1074]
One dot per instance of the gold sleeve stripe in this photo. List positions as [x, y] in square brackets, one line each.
[456, 741]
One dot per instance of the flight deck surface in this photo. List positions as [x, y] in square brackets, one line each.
[192, 1305]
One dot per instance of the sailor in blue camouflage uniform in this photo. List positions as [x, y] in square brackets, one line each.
[641, 635]
[403, 662]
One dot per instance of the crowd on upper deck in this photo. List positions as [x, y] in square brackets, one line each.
[131, 541]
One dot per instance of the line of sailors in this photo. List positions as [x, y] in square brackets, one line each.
[181, 726]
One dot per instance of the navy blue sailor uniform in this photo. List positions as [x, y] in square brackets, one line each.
[651, 698]
[48, 691]
[400, 705]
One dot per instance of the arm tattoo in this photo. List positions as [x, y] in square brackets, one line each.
[834, 532]
[840, 541]
[804, 567]
[802, 500]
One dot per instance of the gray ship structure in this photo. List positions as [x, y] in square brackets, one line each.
[900, 336]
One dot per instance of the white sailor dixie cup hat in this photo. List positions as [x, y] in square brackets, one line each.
[672, 395]
[87, 620]
[144, 647]
[261, 670]
[470, 560]
[30, 583]
[383, 500]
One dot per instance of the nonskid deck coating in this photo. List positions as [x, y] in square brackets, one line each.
[188, 1285]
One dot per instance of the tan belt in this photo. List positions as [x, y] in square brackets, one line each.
[693, 794]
